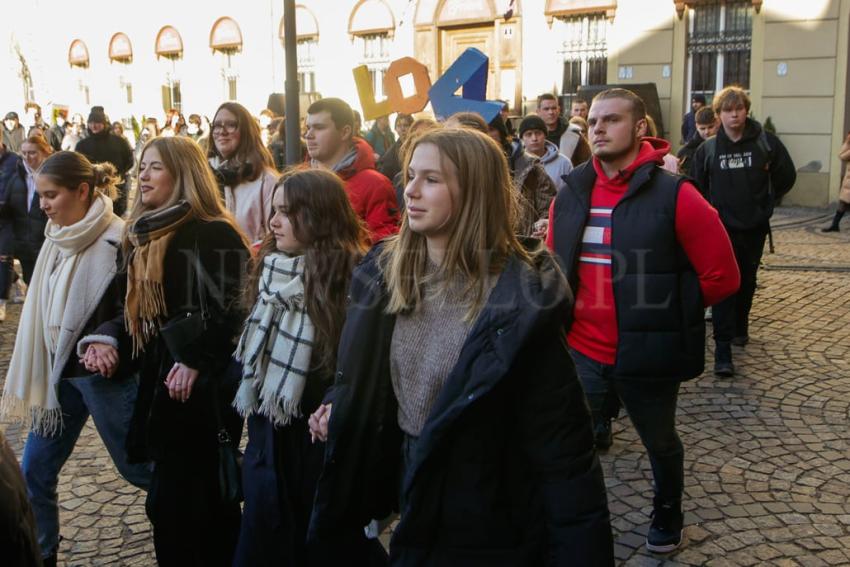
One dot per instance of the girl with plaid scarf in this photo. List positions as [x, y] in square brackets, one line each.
[288, 352]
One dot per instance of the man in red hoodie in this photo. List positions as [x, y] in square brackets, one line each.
[331, 144]
[644, 254]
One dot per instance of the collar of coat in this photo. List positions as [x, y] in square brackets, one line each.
[524, 300]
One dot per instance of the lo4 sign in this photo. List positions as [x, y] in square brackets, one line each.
[469, 71]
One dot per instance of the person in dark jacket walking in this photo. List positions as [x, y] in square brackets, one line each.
[179, 233]
[9, 163]
[689, 127]
[22, 205]
[102, 145]
[707, 125]
[300, 281]
[455, 399]
[742, 171]
[55, 379]
[645, 253]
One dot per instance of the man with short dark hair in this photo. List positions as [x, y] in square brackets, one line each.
[579, 108]
[707, 125]
[644, 253]
[689, 128]
[102, 145]
[331, 144]
[742, 171]
[566, 137]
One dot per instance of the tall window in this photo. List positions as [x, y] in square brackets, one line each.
[584, 49]
[307, 64]
[375, 54]
[719, 45]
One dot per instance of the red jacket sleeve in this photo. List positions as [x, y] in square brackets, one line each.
[550, 230]
[707, 245]
[380, 208]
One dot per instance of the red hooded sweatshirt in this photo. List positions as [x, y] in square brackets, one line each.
[698, 229]
[371, 194]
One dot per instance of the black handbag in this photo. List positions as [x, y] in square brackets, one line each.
[184, 329]
[229, 458]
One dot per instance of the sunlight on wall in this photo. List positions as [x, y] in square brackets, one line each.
[634, 19]
[796, 10]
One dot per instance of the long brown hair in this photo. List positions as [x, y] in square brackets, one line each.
[334, 240]
[251, 156]
[193, 182]
[72, 169]
[484, 219]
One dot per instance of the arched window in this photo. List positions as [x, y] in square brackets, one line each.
[226, 39]
[372, 25]
[169, 44]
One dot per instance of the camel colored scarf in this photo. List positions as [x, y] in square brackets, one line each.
[150, 236]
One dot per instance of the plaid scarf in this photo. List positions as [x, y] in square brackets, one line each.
[277, 343]
[150, 236]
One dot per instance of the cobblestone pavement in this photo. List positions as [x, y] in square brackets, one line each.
[767, 463]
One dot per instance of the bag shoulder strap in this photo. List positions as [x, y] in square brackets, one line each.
[202, 289]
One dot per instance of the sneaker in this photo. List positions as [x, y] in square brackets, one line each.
[20, 291]
[741, 340]
[602, 435]
[831, 228]
[665, 533]
[723, 360]
[2, 311]
[707, 315]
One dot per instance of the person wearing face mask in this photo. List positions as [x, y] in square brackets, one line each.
[243, 168]
[13, 132]
[64, 367]
[22, 209]
[103, 145]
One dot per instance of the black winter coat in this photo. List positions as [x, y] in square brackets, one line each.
[504, 472]
[27, 225]
[162, 427]
[107, 147]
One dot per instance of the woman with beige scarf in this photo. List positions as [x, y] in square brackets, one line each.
[75, 292]
[179, 233]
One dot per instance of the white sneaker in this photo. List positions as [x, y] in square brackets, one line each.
[2, 311]
[20, 291]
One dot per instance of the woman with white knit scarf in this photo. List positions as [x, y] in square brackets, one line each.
[288, 353]
[74, 299]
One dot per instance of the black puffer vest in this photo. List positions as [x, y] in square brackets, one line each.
[661, 332]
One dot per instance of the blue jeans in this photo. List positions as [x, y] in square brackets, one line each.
[652, 409]
[110, 403]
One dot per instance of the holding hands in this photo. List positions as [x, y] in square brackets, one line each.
[101, 358]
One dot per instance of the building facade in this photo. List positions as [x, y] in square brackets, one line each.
[792, 56]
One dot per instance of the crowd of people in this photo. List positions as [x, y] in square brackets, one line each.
[431, 328]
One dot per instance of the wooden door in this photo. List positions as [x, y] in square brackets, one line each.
[454, 41]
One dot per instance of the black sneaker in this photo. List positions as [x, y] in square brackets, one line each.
[741, 340]
[602, 435]
[723, 360]
[665, 533]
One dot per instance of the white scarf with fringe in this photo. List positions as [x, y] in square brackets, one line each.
[277, 343]
[70, 277]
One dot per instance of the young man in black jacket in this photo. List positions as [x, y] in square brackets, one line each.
[101, 146]
[742, 171]
[707, 125]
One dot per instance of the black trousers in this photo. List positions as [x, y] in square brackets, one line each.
[731, 317]
[652, 408]
[192, 527]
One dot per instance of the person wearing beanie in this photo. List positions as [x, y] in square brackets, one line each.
[532, 132]
[689, 123]
[101, 146]
[560, 132]
[13, 132]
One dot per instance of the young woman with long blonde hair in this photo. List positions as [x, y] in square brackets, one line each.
[456, 401]
[185, 260]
